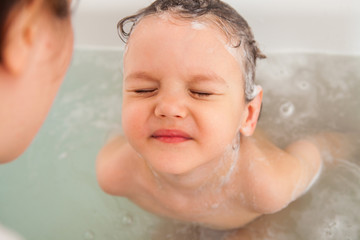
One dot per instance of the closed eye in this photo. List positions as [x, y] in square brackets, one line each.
[201, 94]
[144, 91]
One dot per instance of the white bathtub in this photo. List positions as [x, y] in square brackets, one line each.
[331, 26]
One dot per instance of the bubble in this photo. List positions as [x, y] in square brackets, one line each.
[89, 235]
[337, 228]
[287, 109]
[303, 85]
[127, 219]
[63, 155]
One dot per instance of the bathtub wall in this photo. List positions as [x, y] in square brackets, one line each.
[330, 26]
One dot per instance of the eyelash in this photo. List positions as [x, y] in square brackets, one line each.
[144, 91]
[201, 94]
[198, 94]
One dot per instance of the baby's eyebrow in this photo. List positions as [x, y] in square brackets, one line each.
[141, 75]
[208, 77]
[194, 78]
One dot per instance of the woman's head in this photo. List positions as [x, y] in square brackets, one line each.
[36, 43]
[9, 8]
[239, 35]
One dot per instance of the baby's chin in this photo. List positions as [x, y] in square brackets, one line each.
[172, 165]
[171, 168]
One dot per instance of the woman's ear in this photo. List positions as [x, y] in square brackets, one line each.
[252, 113]
[19, 39]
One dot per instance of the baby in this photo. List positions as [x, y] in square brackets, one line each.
[190, 109]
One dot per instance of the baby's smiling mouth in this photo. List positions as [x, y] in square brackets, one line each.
[171, 136]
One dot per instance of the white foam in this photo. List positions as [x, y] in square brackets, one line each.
[198, 25]
[234, 52]
[256, 91]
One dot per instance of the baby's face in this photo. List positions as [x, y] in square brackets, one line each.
[183, 99]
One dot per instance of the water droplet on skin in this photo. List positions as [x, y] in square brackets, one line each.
[287, 109]
[89, 235]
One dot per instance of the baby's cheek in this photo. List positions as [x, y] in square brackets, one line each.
[131, 120]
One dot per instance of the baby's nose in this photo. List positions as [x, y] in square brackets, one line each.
[171, 106]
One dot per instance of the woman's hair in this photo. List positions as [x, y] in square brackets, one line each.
[60, 8]
[224, 16]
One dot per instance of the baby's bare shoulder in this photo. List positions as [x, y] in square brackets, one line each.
[116, 167]
[279, 176]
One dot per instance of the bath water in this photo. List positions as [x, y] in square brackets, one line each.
[51, 192]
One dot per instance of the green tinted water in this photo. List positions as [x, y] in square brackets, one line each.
[51, 192]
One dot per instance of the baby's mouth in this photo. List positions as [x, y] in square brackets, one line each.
[171, 136]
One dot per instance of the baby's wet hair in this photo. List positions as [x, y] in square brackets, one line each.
[232, 24]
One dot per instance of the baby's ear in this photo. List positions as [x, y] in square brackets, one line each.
[19, 40]
[252, 112]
